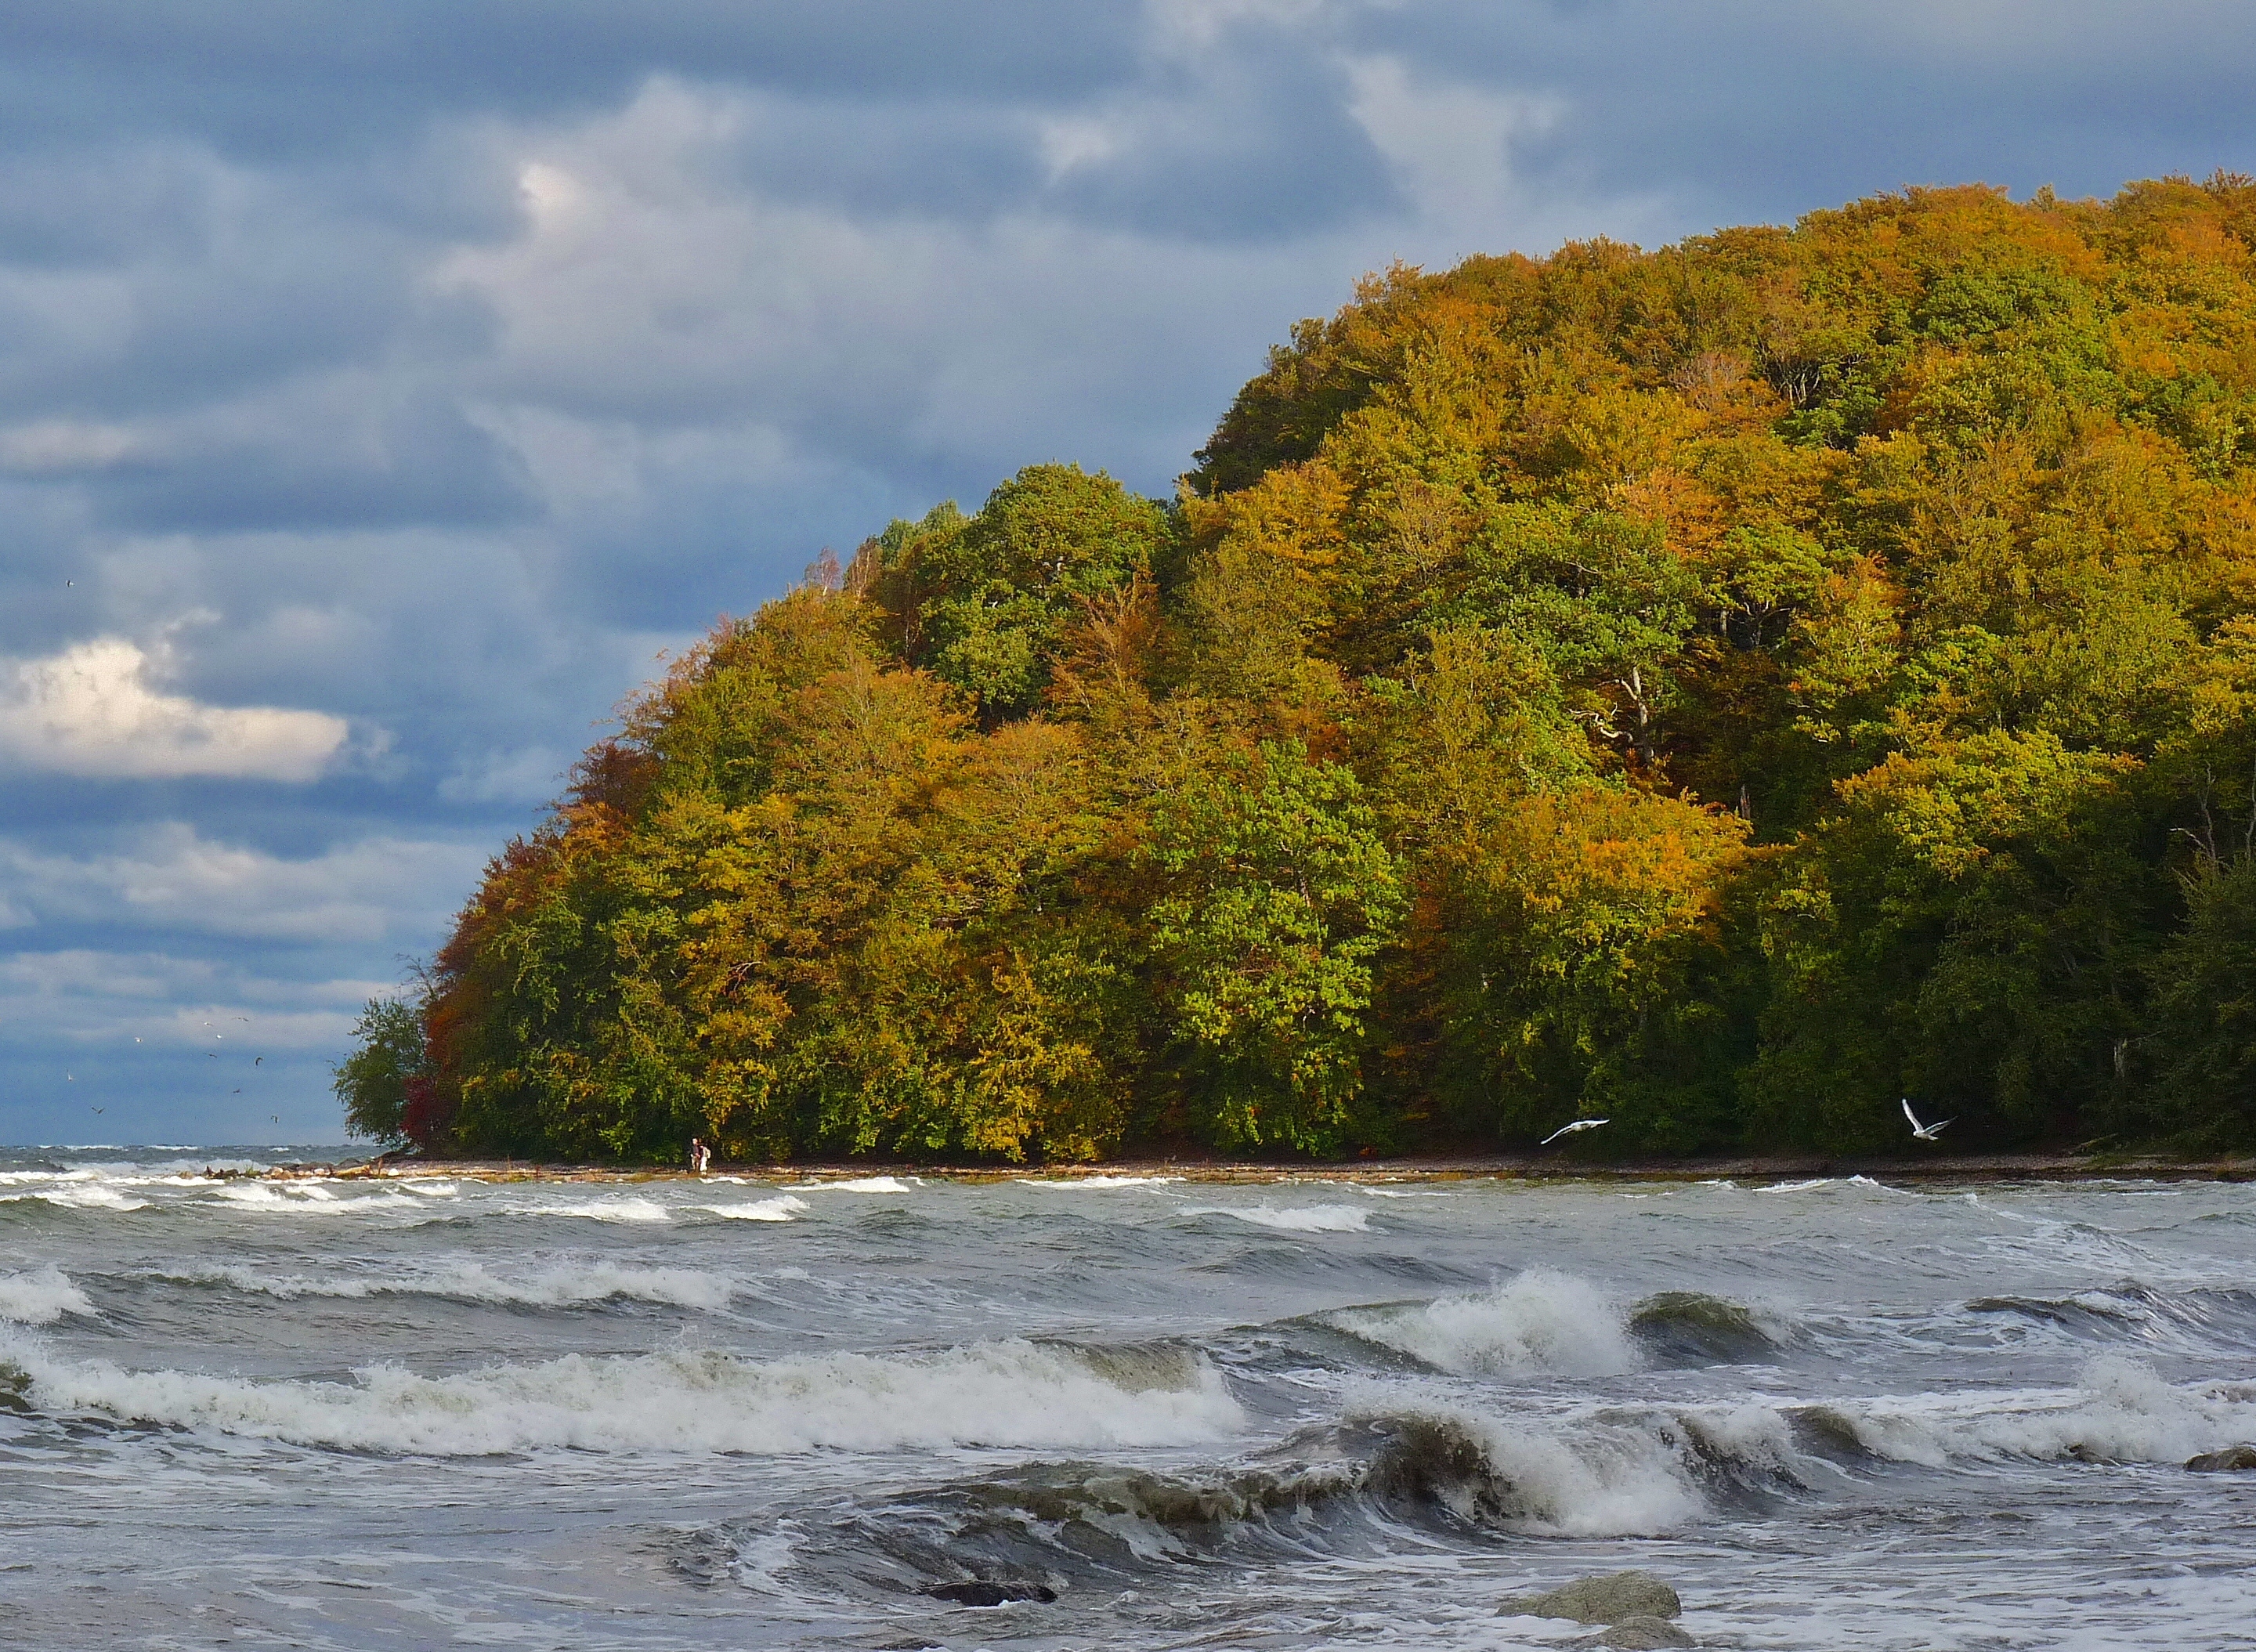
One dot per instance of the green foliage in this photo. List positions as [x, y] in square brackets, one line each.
[1279, 894]
[983, 601]
[373, 1082]
[1725, 689]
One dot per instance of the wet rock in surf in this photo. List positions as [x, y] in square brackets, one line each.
[1638, 1635]
[2232, 1458]
[990, 1594]
[1612, 1598]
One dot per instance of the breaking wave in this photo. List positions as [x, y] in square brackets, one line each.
[566, 1285]
[86, 1195]
[312, 1198]
[618, 1210]
[997, 1394]
[1540, 1323]
[40, 1298]
[1307, 1218]
[2122, 1412]
[1543, 1322]
[1344, 1489]
[781, 1209]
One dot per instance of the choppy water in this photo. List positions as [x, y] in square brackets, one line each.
[1307, 1413]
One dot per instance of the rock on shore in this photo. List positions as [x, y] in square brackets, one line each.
[2233, 1456]
[1637, 1635]
[1612, 1598]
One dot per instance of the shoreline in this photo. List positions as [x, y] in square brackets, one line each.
[1966, 1168]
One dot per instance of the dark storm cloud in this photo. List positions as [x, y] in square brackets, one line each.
[281, 79]
[1754, 111]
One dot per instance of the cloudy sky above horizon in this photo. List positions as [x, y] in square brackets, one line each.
[382, 389]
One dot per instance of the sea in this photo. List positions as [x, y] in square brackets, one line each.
[1146, 1410]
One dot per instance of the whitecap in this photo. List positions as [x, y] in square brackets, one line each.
[82, 1197]
[41, 1298]
[780, 1208]
[1009, 1394]
[608, 1211]
[565, 1285]
[1307, 1219]
[2121, 1412]
[1540, 1323]
[1630, 1474]
[861, 1184]
[1098, 1180]
[309, 1197]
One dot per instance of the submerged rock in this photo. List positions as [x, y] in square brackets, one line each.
[1640, 1634]
[2233, 1456]
[1610, 1599]
[990, 1594]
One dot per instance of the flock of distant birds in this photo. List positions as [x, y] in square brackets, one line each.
[255, 1060]
[1925, 1133]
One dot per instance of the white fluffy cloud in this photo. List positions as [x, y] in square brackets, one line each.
[150, 1003]
[98, 708]
[170, 876]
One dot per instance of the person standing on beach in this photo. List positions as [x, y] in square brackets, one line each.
[699, 1156]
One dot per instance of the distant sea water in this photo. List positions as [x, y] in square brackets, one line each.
[750, 1412]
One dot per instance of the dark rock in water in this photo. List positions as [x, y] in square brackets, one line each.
[1638, 1635]
[990, 1594]
[914, 1643]
[1610, 1599]
[2235, 1456]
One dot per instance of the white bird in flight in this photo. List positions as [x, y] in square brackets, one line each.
[1925, 1133]
[1568, 1130]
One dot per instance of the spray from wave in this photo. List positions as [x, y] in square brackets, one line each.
[41, 1297]
[2120, 1412]
[1540, 1323]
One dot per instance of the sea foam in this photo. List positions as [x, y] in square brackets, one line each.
[1542, 1322]
[1306, 1218]
[781, 1209]
[2121, 1412]
[40, 1298]
[569, 1285]
[84, 1195]
[1013, 1394]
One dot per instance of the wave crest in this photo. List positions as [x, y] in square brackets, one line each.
[41, 1298]
[1540, 1323]
[997, 1394]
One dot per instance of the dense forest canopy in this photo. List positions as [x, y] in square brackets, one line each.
[1725, 689]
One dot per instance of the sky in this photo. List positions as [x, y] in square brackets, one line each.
[384, 389]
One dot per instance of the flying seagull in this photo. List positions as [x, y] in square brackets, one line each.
[1925, 1133]
[1568, 1130]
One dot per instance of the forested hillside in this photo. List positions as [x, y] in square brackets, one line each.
[1725, 689]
